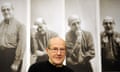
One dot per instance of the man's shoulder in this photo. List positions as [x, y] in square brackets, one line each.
[39, 63]
[52, 33]
[37, 66]
[117, 33]
[15, 21]
[86, 32]
[67, 69]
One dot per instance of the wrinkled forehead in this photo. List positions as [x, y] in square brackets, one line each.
[7, 5]
[57, 41]
[73, 19]
[39, 22]
[108, 19]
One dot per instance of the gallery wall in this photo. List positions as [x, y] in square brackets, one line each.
[56, 13]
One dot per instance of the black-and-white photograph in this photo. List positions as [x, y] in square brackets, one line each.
[81, 35]
[59, 36]
[13, 19]
[110, 35]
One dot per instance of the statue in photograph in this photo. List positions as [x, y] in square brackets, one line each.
[110, 46]
[80, 48]
[39, 39]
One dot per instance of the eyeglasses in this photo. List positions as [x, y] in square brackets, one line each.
[55, 50]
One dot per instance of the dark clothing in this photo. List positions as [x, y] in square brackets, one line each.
[46, 66]
[12, 44]
[80, 50]
[110, 44]
[81, 67]
[7, 59]
[40, 42]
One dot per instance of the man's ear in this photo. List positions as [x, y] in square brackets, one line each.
[46, 50]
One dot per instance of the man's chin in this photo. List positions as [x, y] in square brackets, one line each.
[110, 31]
[58, 62]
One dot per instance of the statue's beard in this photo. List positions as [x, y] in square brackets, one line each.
[76, 29]
[110, 31]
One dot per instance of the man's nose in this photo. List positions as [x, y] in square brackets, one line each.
[58, 52]
[108, 25]
[77, 25]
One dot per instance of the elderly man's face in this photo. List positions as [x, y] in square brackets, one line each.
[7, 10]
[56, 51]
[108, 25]
[75, 25]
[40, 26]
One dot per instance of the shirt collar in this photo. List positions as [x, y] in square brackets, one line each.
[55, 64]
[108, 34]
[8, 21]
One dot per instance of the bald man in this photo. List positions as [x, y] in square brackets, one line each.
[110, 44]
[39, 39]
[80, 48]
[12, 42]
[56, 51]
